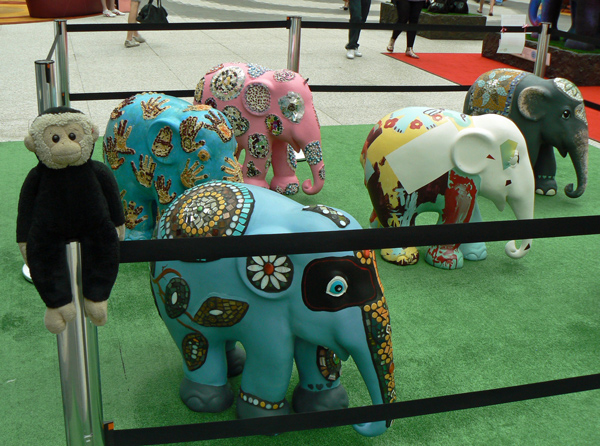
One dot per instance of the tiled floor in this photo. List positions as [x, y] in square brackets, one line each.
[176, 60]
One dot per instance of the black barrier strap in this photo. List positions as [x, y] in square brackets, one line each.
[211, 248]
[103, 96]
[357, 415]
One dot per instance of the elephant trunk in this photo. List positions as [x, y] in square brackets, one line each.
[534, 18]
[579, 157]
[377, 364]
[314, 157]
[522, 206]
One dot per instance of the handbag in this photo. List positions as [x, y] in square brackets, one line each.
[153, 14]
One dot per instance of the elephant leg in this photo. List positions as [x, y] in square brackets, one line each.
[204, 387]
[284, 179]
[445, 257]
[257, 160]
[545, 171]
[319, 387]
[478, 250]
[266, 376]
[398, 256]
[236, 358]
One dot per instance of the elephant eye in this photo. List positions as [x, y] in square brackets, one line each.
[337, 286]
[566, 114]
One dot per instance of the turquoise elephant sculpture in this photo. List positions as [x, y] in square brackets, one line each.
[159, 146]
[314, 309]
[420, 159]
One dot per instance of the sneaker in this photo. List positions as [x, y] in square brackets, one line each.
[139, 39]
[117, 12]
[108, 13]
[350, 54]
[357, 53]
[131, 43]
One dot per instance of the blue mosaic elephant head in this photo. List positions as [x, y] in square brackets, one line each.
[316, 309]
[157, 147]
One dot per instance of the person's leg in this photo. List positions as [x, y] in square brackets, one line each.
[492, 3]
[133, 37]
[480, 10]
[355, 17]
[413, 18]
[402, 12]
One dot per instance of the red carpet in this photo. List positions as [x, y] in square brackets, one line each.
[464, 69]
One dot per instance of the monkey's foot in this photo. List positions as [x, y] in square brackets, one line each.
[204, 398]
[400, 256]
[305, 400]
[252, 406]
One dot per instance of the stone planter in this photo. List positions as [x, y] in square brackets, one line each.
[388, 14]
[580, 68]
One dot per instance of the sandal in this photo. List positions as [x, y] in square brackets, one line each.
[411, 53]
[108, 13]
[117, 12]
[491, 14]
[479, 12]
[390, 47]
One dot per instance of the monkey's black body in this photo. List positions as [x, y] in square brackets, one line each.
[57, 206]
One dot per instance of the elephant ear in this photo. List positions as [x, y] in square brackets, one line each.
[471, 149]
[256, 97]
[533, 102]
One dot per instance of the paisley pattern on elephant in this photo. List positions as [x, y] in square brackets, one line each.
[159, 146]
[314, 309]
[272, 113]
[549, 113]
[420, 159]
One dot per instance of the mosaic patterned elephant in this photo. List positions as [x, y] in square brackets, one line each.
[158, 146]
[316, 309]
[420, 159]
[549, 113]
[273, 117]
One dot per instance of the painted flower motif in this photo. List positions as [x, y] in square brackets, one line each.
[227, 84]
[390, 123]
[437, 117]
[270, 273]
[416, 124]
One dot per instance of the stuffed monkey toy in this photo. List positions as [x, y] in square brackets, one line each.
[66, 197]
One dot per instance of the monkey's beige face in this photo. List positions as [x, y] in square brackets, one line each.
[64, 143]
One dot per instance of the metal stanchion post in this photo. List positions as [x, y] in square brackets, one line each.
[62, 60]
[539, 69]
[293, 61]
[79, 367]
[45, 84]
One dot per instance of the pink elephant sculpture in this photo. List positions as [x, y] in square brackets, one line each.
[273, 117]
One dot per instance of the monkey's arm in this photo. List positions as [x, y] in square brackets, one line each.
[110, 189]
[27, 197]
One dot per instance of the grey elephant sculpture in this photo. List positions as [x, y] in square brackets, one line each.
[549, 113]
[316, 309]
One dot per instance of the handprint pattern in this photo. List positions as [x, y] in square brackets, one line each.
[169, 145]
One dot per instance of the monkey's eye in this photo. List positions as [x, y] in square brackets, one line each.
[55, 138]
[566, 114]
[72, 136]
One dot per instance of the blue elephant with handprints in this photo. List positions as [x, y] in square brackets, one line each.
[316, 309]
[159, 146]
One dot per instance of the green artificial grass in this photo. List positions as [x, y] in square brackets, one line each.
[496, 323]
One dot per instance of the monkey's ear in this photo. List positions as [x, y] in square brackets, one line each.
[30, 143]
